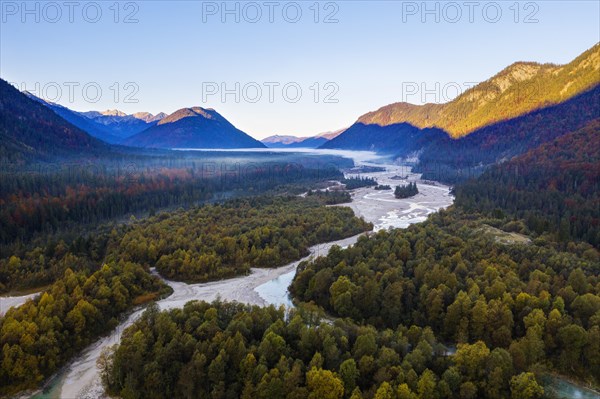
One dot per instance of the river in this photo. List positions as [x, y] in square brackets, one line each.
[80, 379]
[7, 302]
[379, 207]
[561, 388]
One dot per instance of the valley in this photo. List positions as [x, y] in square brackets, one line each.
[262, 287]
[171, 229]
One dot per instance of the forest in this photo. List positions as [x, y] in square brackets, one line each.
[477, 302]
[61, 199]
[40, 336]
[406, 191]
[554, 188]
[199, 244]
[97, 279]
[229, 350]
[59, 216]
[538, 303]
[225, 240]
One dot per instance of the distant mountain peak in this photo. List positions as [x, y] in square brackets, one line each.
[331, 135]
[289, 141]
[113, 112]
[206, 113]
[148, 117]
[283, 139]
[193, 127]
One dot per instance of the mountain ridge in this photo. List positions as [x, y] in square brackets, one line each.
[29, 130]
[289, 141]
[517, 89]
[111, 126]
[193, 127]
[443, 158]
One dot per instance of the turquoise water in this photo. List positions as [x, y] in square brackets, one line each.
[51, 390]
[275, 292]
[559, 388]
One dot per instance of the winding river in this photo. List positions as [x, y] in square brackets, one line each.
[80, 379]
[262, 287]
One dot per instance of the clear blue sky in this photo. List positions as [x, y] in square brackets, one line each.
[176, 51]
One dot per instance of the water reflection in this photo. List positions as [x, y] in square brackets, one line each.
[558, 388]
[275, 292]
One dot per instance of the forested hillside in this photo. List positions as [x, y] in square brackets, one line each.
[446, 159]
[456, 160]
[554, 188]
[30, 131]
[518, 89]
[539, 305]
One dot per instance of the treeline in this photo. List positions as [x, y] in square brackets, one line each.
[51, 220]
[220, 241]
[40, 336]
[383, 187]
[539, 304]
[229, 350]
[203, 243]
[46, 261]
[352, 183]
[555, 188]
[406, 191]
[50, 201]
[331, 197]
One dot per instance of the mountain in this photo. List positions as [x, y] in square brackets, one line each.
[112, 126]
[193, 128]
[281, 140]
[443, 158]
[316, 141]
[31, 131]
[518, 89]
[331, 135]
[309, 142]
[108, 112]
[450, 160]
[86, 124]
[148, 117]
[122, 125]
[400, 139]
[293, 142]
[554, 187]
